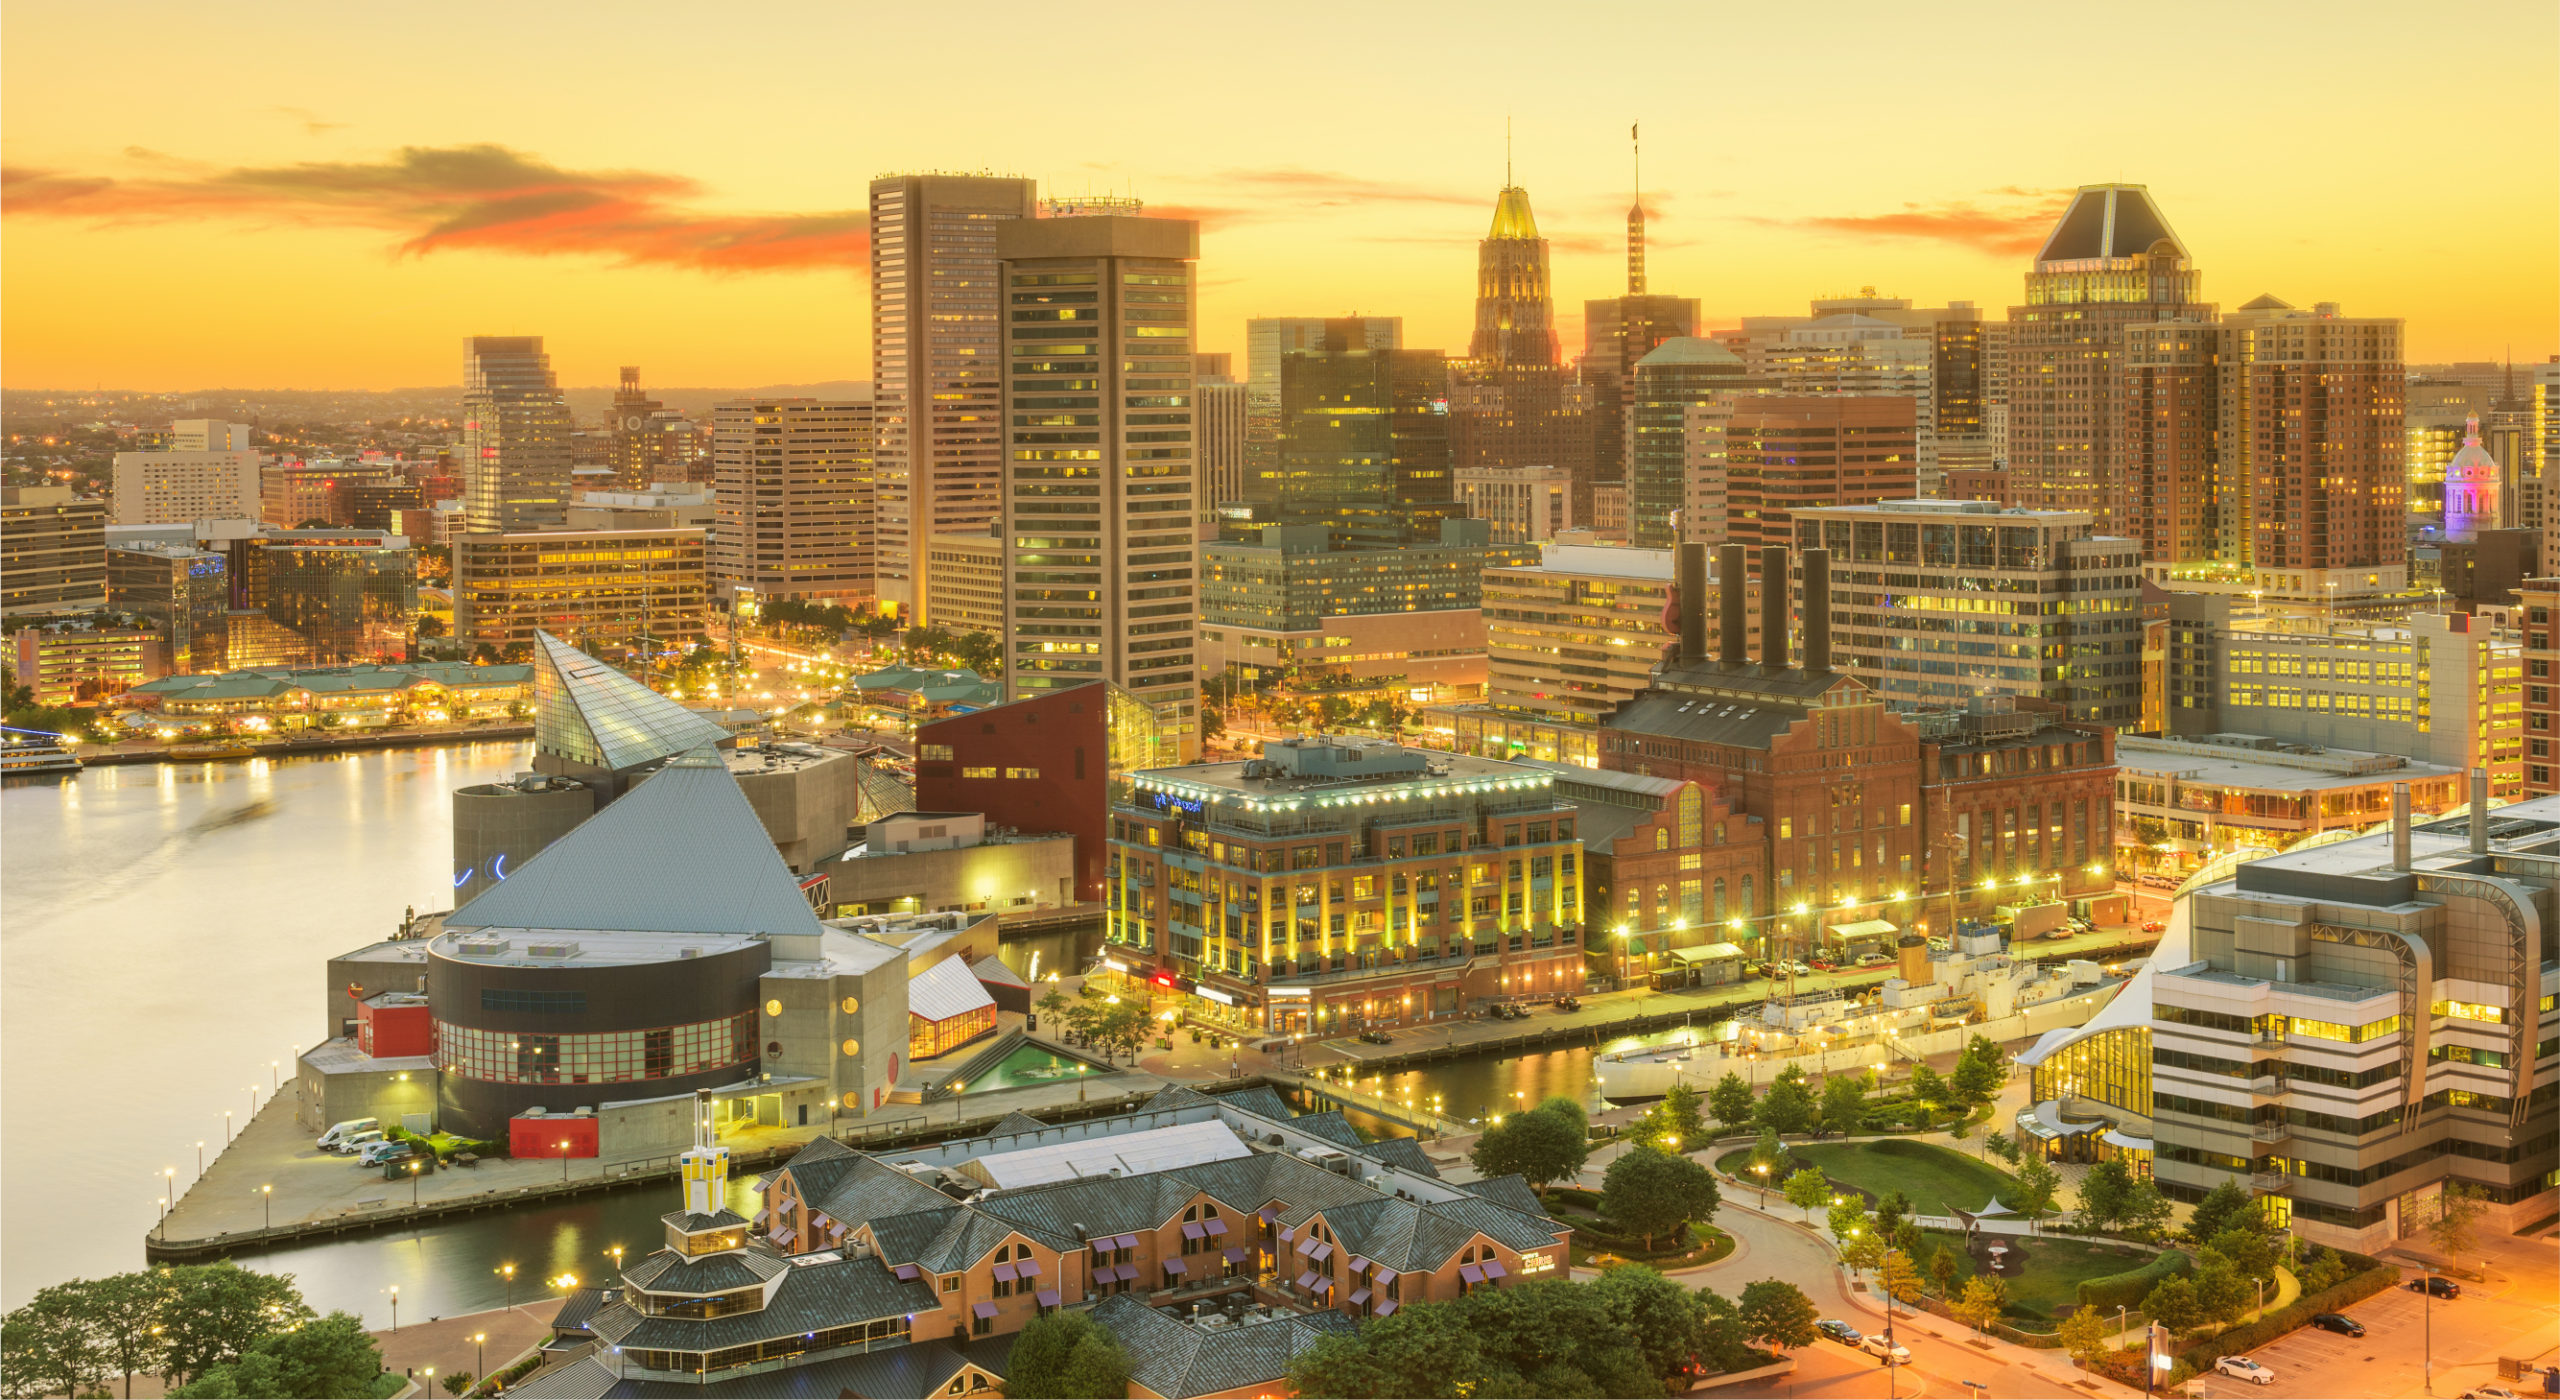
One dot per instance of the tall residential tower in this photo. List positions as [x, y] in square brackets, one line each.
[515, 436]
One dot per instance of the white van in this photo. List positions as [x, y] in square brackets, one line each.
[357, 1141]
[340, 1132]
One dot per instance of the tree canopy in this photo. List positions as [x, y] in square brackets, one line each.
[1653, 1192]
[1788, 1105]
[1545, 1145]
[1066, 1356]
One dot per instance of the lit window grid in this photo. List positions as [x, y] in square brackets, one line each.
[599, 1057]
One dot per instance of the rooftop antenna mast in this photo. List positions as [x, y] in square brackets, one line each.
[1506, 150]
[1635, 218]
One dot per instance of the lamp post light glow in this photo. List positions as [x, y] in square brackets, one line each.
[267, 1194]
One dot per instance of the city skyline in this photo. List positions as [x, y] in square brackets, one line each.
[330, 233]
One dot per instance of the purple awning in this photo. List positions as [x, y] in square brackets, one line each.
[1387, 1308]
[1471, 1273]
[1270, 1214]
[1217, 1226]
[1360, 1297]
[1102, 1246]
[1359, 1265]
[1385, 1274]
[1238, 1256]
[783, 1237]
[1004, 1272]
[1175, 1266]
[983, 1309]
[1191, 1230]
[818, 1220]
[1307, 1279]
[1324, 1285]
[905, 1271]
[1124, 1273]
[1289, 1234]
[1320, 1253]
[1124, 1242]
[1046, 1297]
[1026, 1268]
[1493, 1269]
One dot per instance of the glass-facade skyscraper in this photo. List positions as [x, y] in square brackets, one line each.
[515, 436]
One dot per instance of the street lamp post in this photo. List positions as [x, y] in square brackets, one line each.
[267, 1195]
[564, 1161]
[413, 1184]
[395, 1307]
[508, 1272]
[2427, 1323]
[169, 1183]
[480, 1356]
[1762, 1170]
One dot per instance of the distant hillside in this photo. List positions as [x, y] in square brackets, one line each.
[588, 404]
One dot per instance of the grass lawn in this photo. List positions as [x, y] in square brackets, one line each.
[1707, 1245]
[2055, 1269]
[1939, 1182]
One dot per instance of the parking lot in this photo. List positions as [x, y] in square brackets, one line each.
[2517, 1313]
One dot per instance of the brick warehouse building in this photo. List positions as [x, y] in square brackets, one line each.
[1832, 774]
[1329, 885]
[1668, 865]
[2018, 799]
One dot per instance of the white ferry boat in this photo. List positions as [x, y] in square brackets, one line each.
[28, 752]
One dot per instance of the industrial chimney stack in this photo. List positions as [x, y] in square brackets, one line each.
[1773, 607]
[1817, 611]
[1732, 563]
[1693, 601]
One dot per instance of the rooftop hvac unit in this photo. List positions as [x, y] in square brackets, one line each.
[551, 950]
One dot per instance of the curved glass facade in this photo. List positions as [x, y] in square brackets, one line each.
[598, 1057]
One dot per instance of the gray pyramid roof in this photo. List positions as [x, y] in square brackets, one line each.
[683, 853]
[587, 711]
[2108, 221]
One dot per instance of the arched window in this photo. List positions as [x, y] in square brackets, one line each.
[1719, 906]
[1662, 838]
[1750, 905]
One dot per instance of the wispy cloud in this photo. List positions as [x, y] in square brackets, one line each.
[1295, 185]
[312, 125]
[2013, 227]
[483, 197]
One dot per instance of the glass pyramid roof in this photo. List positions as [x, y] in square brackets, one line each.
[588, 712]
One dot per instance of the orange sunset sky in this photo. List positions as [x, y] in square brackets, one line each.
[331, 196]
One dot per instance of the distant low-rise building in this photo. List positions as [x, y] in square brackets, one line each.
[278, 699]
[73, 662]
[53, 552]
[2181, 802]
[924, 862]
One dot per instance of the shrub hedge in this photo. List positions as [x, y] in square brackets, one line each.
[2128, 1289]
[2249, 1336]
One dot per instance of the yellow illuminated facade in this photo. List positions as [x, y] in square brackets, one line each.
[617, 589]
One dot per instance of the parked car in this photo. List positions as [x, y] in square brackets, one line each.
[2439, 1286]
[356, 1142]
[1799, 969]
[1824, 965]
[1568, 1003]
[1874, 959]
[374, 1154]
[1839, 1331]
[2339, 1323]
[1374, 1036]
[1891, 1353]
[2491, 1392]
[339, 1132]
[2155, 926]
[2243, 1368]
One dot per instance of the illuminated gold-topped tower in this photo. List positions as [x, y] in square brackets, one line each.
[1515, 316]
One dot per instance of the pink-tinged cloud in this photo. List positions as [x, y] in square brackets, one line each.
[1287, 185]
[2012, 231]
[486, 198]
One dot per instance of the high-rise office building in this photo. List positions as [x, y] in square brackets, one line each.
[1935, 602]
[183, 485]
[182, 592]
[2110, 263]
[293, 494]
[1101, 491]
[1617, 334]
[351, 597]
[516, 449]
[1967, 376]
[636, 446]
[53, 552]
[1219, 402]
[210, 435]
[1515, 307]
[612, 591]
[1512, 403]
[1267, 341]
[793, 499]
[1783, 454]
[1362, 447]
[1523, 504]
[935, 328]
[1679, 375]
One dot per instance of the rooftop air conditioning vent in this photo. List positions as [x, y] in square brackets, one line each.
[551, 950]
[482, 947]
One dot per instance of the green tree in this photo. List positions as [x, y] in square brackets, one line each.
[1788, 1105]
[1542, 1146]
[50, 1346]
[1427, 1349]
[1677, 1117]
[1653, 1192]
[128, 1311]
[1768, 1151]
[2106, 1194]
[2084, 1334]
[980, 652]
[217, 1312]
[1907, 1237]
[2226, 1205]
[330, 1359]
[2456, 1228]
[1808, 1189]
[1096, 1370]
[1666, 1323]
[2146, 1211]
[1944, 1270]
[455, 1383]
[1863, 1250]
[1891, 1211]
[2172, 1304]
[1980, 1072]
[1569, 1110]
[2000, 1145]
[1725, 1346]
[2247, 1250]
[1899, 1276]
[1776, 1313]
[1731, 1102]
[1928, 1088]
[2038, 1183]
[1978, 1306]
[1849, 1217]
[2222, 1291]
[1844, 1104]
[1552, 1337]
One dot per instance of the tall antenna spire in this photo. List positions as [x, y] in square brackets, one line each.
[1506, 150]
[1635, 219]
